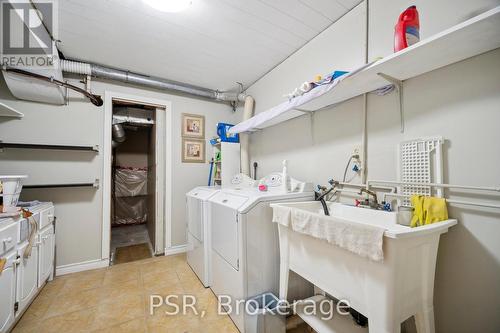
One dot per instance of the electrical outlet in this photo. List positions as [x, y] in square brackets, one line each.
[358, 151]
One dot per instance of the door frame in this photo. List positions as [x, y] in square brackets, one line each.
[109, 96]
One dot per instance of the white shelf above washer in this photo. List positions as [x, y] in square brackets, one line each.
[7, 111]
[473, 37]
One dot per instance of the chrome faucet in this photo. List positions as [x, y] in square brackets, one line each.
[374, 202]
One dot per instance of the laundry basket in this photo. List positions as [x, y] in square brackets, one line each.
[10, 189]
[263, 316]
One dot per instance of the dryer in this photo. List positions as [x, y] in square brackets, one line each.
[198, 231]
[245, 245]
[198, 227]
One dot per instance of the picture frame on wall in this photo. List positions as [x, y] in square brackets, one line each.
[193, 150]
[193, 125]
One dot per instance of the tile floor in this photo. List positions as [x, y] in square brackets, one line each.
[116, 299]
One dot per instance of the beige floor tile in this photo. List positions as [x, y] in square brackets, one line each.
[38, 309]
[84, 284]
[157, 266]
[77, 300]
[113, 313]
[192, 285]
[133, 326]
[117, 299]
[151, 300]
[223, 325]
[53, 288]
[122, 273]
[77, 321]
[159, 279]
[173, 324]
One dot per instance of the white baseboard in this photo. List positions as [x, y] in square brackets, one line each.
[81, 266]
[176, 250]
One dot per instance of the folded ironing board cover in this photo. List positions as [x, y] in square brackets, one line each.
[253, 123]
[363, 239]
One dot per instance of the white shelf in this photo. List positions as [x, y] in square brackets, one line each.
[7, 111]
[338, 324]
[465, 40]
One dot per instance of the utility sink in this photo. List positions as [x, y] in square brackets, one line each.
[396, 224]
[388, 291]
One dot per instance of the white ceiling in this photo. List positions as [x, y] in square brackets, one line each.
[213, 44]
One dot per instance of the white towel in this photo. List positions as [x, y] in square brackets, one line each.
[362, 239]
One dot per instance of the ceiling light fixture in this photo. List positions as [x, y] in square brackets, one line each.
[171, 6]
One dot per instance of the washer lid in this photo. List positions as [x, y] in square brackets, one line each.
[203, 192]
[230, 199]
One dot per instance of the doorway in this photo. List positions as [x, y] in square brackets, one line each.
[134, 200]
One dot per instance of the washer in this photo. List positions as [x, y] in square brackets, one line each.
[198, 227]
[245, 245]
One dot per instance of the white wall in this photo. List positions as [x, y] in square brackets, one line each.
[79, 211]
[460, 102]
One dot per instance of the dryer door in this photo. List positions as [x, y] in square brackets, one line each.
[225, 228]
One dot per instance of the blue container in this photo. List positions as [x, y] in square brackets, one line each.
[222, 132]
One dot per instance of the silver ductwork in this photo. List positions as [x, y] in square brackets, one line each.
[118, 133]
[119, 75]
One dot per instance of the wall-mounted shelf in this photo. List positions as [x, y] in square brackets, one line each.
[16, 145]
[7, 111]
[467, 39]
[94, 184]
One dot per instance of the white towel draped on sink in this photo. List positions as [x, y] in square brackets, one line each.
[362, 239]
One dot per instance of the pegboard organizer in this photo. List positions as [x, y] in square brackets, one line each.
[420, 161]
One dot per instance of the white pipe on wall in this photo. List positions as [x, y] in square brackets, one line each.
[244, 138]
[451, 201]
[369, 183]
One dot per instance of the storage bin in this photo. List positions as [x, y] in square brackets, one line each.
[222, 132]
[10, 189]
[263, 316]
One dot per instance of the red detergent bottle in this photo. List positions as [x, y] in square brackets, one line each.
[406, 31]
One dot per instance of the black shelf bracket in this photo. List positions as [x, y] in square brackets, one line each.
[95, 184]
[15, 145]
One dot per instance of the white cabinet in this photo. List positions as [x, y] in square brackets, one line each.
[7, 291]
[22, 278]
[46, 217]
[8, 237]
[27, 277]
[46, 254]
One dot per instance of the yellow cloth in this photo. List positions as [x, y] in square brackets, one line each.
[3, 261]
[427, 210]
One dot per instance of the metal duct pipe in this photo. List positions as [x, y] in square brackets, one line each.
[107, 73]
[118, 133]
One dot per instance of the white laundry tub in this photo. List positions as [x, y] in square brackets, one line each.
[387, 292]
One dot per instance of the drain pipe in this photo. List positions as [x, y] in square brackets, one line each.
[244, 137]
[102, 72]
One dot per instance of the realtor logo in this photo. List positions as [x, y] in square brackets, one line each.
[27, 30]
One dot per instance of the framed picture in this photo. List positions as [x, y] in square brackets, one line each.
[193, 125]
[193, 151]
